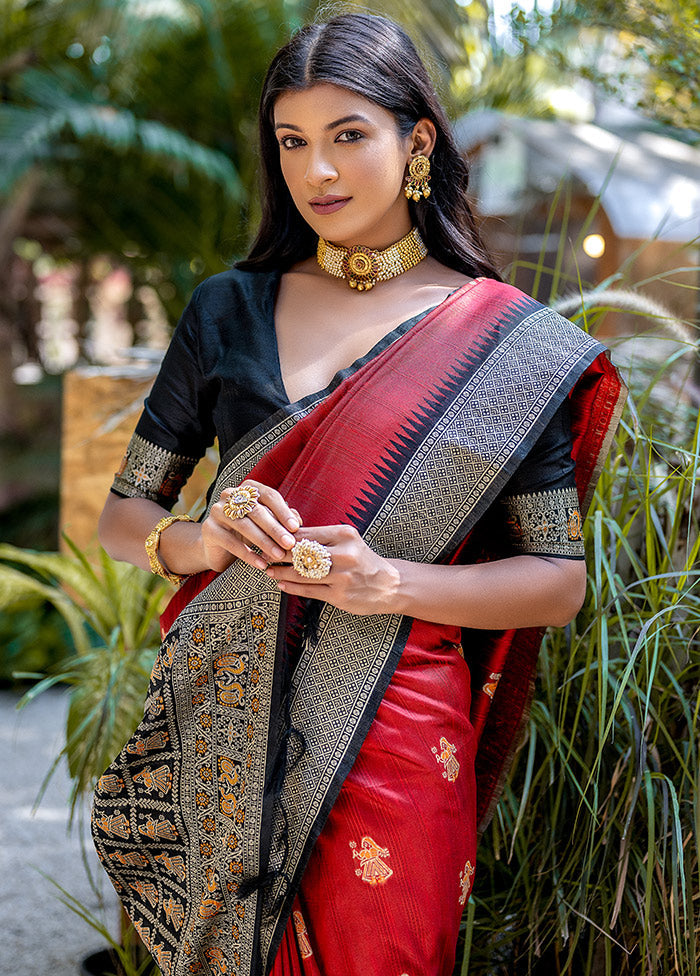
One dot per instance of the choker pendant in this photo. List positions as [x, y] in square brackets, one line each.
[362, 267]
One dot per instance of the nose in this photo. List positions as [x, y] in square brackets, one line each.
[320, 170]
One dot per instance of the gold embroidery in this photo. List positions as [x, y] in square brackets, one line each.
[465, 881]
[490, 686]
[305, 949]
[149, 471]
[160, 779]
[373, 870]
[545, 522]
[446, 756]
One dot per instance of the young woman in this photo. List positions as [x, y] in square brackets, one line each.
[407, 446]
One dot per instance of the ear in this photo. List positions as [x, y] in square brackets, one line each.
[423, 138]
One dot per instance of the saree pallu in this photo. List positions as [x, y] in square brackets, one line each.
[257, 816]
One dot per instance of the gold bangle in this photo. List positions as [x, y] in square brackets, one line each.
[153, 542]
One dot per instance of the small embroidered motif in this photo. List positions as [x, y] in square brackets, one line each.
[146, 890]
[545, 522]
[144, 933]
[158, 740]
[209, 907]
[489, 687]
[152, 472]
[574, 525]
[160, 779]
[110, 783]
[163, 958]
[465, 881]
[131, 858]
[305, 949]
[216, 959]
[173, 865]
[116, 825]
[161, 829]
[446, 756]
[373, 870]
[174, 911]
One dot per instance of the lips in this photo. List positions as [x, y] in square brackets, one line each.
[328, 204]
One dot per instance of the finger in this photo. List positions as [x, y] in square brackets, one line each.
[250, 530]
[269, 535]
[285, 573]
[328, 535]
[268, 523]
[311, 591]
[221, 537]
[253, 535]
[271, 498]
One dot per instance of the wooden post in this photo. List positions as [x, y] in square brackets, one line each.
[101, 406]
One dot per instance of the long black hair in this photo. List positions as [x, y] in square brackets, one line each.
[375, 58]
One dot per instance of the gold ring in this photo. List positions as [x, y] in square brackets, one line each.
[311, 559]
[241, 502]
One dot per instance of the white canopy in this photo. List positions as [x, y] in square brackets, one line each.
[649, 183]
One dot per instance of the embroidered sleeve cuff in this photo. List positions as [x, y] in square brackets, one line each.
[149, 471]
[545, 523]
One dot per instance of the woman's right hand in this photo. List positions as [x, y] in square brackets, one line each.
[269, 527]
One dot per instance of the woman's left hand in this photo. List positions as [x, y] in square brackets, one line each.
[359, 580]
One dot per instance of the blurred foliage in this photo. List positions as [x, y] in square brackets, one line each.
[110, 613]
[134, 124]
[590, 866]
[34, 639]
[646, 51]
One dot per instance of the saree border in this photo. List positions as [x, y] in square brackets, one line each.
[286, 448]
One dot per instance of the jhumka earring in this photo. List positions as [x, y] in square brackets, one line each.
[418, 178]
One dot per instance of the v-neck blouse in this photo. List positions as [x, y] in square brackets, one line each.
[221, 374]
[221, 378]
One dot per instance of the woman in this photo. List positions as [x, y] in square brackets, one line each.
[404, 462]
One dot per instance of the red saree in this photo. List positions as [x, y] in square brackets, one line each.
[323, 819]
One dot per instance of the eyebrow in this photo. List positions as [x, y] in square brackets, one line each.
[331, 125]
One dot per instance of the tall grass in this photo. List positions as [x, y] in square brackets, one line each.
[590, 866]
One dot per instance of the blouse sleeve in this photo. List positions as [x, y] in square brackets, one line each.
[176, 425]
[540, 502]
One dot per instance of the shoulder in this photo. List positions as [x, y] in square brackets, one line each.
[510, 308]
[225, 292]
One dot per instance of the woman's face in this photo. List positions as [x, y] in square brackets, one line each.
[344, 163]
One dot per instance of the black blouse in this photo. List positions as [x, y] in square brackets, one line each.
[221, 377]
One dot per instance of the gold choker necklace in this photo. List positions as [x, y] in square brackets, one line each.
[362, 267]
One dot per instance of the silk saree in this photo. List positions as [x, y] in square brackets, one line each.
[307, 800]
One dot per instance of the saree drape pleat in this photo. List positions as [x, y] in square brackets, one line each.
[323, 819]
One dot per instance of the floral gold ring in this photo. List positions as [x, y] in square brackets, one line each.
[241, 502]
[311, 559]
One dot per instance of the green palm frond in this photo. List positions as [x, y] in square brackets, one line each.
[112, 614]
[34, 131]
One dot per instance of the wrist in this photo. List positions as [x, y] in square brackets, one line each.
[181, 548]
[396, 590]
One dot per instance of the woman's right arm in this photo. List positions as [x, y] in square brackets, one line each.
[192, 547]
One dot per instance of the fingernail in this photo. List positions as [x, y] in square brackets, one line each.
[261, 564]
[288, 540]
[277, 552]
[292, 524]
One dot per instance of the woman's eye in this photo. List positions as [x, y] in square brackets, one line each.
[291, 142]
[349, 135]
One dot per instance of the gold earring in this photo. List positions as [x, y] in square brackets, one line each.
[418, 178]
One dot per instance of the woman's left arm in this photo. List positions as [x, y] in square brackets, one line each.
[519, 591]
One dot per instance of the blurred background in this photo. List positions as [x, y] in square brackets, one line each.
[128, 173]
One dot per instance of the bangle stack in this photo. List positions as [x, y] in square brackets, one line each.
[152, 544]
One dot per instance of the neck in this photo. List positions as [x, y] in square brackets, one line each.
[363, 267]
